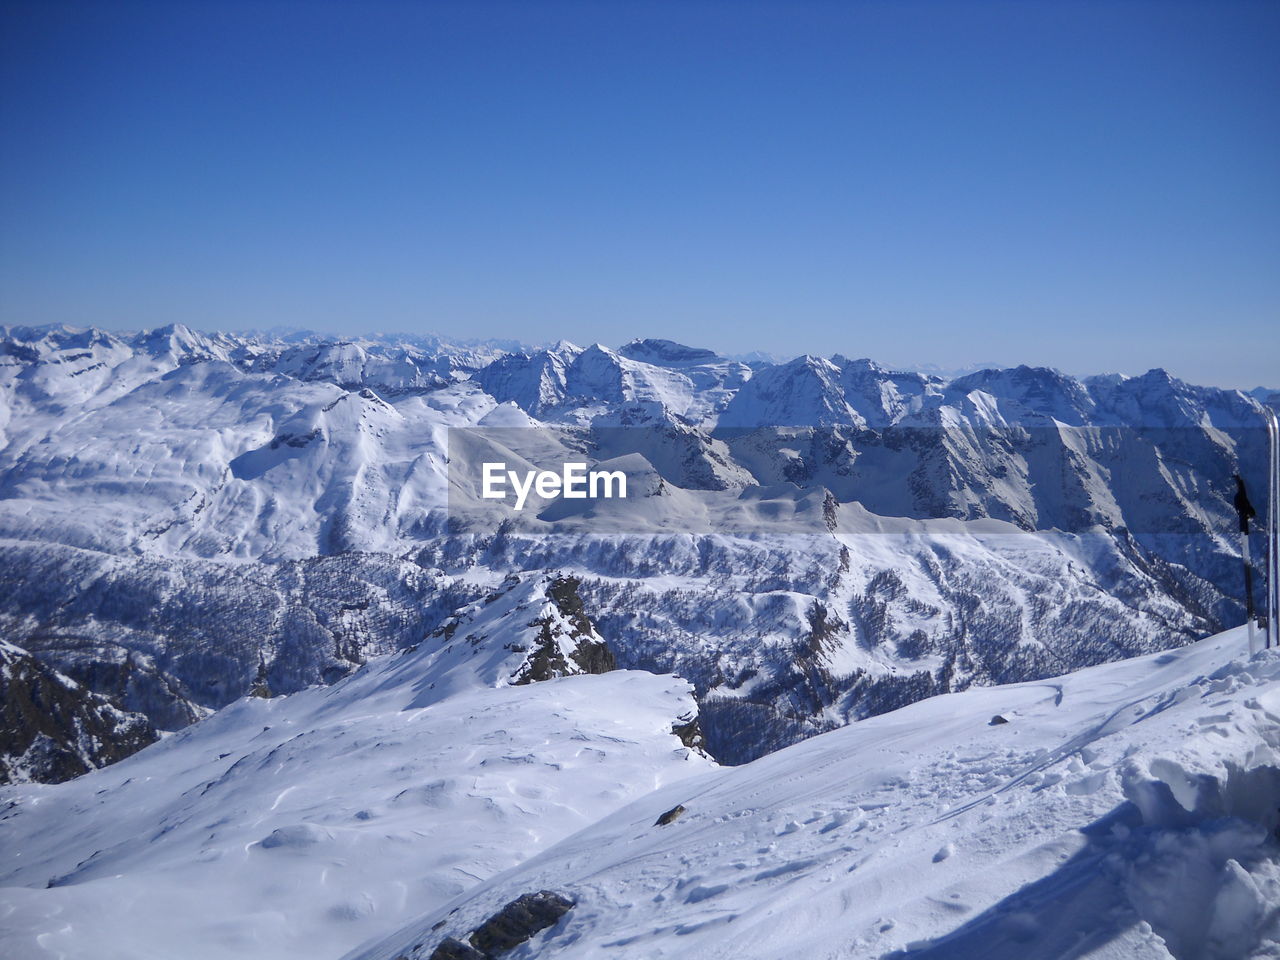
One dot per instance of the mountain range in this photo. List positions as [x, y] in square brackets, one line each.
[868, 663]
[191, 517]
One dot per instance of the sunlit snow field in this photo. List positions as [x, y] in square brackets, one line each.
[1126, 810]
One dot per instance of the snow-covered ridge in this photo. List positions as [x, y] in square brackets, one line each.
[1129, 810]
[300, 825]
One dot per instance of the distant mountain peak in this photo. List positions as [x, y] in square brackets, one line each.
[664, 352]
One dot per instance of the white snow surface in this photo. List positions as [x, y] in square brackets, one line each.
[304, 825]
[1125, 811]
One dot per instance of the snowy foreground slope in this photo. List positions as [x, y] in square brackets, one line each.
[303, 825]
[1126, 811]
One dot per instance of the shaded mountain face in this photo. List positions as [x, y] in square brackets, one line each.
[53, 729]
[667, 353]
[188, 517]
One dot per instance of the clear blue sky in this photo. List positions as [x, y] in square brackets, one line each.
[1093, 186]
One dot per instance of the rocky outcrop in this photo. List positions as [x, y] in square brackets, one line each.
[519, 920]
[567, 642]
[689, 730]
[53, 729]
[511, 926]
[670, 816]
[451, 949]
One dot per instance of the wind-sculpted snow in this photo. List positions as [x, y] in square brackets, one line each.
[299, 826]
[1126, 811]
[189, 516]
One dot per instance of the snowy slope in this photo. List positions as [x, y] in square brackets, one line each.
[1124, 811]
[302, 825]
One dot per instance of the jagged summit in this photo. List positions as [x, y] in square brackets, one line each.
[804, 392]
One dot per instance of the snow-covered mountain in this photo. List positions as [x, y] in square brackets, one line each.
[649, 379]
[384, 704]
[187, 517]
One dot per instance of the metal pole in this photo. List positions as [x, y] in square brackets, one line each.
[1273, 542]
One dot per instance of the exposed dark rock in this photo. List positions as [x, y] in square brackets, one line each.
[261, 688]
[996, 721]
[451, 949]
[671, 816]
[825, 630]
[829, 514]
[689, 731]
[519, 920]
[53, 729]
[590, 654]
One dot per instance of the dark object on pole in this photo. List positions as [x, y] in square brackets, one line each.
[1243, 507]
